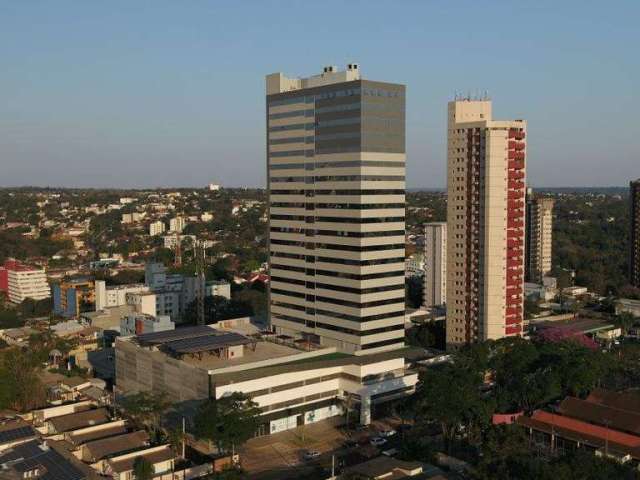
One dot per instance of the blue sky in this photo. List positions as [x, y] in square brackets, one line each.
[171, 93]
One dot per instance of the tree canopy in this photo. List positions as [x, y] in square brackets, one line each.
[228, 422]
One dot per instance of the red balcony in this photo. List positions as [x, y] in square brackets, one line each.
[515, 185]
[512, 223]
[518, 155]
[512, 144]
[514, 263]
[516, 164]
[514, 243]
[516, 175]
[515, 204]
[517, 134]
[514, 195]
[513, 329]
[514, 311]
[511, 319]
[520, 146]
[514, 276]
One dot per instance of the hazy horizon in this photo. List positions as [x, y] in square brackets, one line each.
[169, 94]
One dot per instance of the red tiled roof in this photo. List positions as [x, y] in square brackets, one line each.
[601, 414]
[586, 428]
[623, 401]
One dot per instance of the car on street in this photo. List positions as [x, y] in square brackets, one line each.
[391, 452]
[310, 455]
[386, 432]
[378, 441]
[349, 443]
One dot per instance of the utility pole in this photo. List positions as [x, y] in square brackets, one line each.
[184, 434]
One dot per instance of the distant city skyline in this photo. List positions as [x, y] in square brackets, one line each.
[163, 94]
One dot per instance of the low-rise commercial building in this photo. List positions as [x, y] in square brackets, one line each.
[218, 288]
[140, 323]
[292, 385]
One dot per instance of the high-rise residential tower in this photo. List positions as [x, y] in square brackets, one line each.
[336, 179]
[485, 224]
[539, 235]
[634, 257]
[435, 258]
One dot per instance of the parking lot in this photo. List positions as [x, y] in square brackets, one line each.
[269, 456]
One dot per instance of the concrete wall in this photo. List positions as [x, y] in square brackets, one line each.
[139, 369]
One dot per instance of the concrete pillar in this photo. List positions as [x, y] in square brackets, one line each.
[365, 410]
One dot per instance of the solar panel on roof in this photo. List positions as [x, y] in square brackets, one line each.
[208, 343]
[177, 334]
[16, 434]
[30, 455]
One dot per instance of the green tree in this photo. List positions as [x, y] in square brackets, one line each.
[228, 422]
[20, 385]
[147, 409]
[522, 381]
[451, 396]
[9, 319]
[506, 455]
[142, 469]
[218, 308]
[624, 321]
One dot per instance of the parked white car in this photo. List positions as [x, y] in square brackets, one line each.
[386, 433]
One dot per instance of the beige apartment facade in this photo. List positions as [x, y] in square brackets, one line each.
[435, 257]
[336, 180]
[539, 237]
[485, 224]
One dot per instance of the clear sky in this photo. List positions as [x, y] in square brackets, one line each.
[151, 93]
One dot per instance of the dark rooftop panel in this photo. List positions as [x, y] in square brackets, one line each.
[158, 338]
[207, 343]
[16, 434]
[32, 454]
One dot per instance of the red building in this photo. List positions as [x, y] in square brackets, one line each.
[10, 264]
